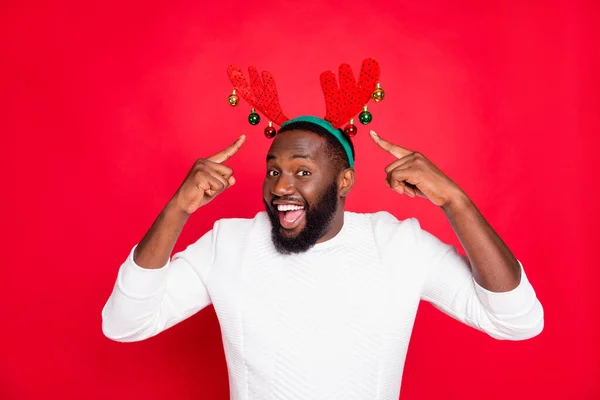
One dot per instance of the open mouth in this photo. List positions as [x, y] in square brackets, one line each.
[290, 215]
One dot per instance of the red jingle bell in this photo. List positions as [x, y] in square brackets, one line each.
[270, 131]
[350, 129]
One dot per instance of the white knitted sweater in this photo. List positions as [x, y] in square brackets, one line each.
[331, 323]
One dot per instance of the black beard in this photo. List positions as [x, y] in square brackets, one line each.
[318, 221]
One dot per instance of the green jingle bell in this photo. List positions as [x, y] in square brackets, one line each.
[253, 118]
[365, 117]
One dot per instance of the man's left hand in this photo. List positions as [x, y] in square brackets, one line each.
[414, 175]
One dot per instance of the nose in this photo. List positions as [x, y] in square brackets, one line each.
[283, 186]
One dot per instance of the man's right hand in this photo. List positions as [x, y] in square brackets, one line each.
[206, 180]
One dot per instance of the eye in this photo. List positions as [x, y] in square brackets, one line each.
[272, 172]
[304, 173]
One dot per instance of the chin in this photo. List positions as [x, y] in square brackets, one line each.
[291, 233]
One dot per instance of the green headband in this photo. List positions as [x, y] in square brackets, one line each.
[343, 139]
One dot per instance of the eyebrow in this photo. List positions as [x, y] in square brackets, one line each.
[294, 157]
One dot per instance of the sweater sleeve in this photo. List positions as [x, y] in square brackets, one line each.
[145, 302]
[450, 286]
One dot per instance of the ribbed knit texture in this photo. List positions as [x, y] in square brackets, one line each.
[331, 323]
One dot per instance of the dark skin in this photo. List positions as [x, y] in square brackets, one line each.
[303, 171]
[299, 171]
[207, 178]
[493, 265]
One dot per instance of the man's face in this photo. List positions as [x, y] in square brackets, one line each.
[300, 190]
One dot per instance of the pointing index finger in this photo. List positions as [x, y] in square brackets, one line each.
[226, 154]
[391, 148]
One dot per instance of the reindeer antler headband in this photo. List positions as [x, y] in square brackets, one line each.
[342, 102]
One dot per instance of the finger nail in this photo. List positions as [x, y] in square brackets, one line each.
[373, 133]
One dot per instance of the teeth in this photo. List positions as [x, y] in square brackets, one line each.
[289, 207]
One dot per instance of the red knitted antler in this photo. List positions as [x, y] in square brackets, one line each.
[261, 95]
[344, 102]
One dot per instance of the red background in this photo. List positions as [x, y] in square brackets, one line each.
[105, 107]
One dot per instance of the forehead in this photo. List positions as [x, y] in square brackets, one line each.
[298, 142]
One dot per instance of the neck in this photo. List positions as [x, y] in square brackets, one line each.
[336, 224]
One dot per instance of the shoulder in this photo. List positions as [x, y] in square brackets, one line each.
[386, 228]
[383, 222]
[231, 228]
[228, 237]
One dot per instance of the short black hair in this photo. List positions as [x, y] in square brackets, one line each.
[335, 150]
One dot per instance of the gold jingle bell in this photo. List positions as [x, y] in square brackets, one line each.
[233, 99]
[378, 94]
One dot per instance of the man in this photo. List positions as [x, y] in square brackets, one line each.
[315, 302]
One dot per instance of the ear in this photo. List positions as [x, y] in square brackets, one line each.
[346, 182]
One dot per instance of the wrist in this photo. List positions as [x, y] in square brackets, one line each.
[456, 202]
[174, 212]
